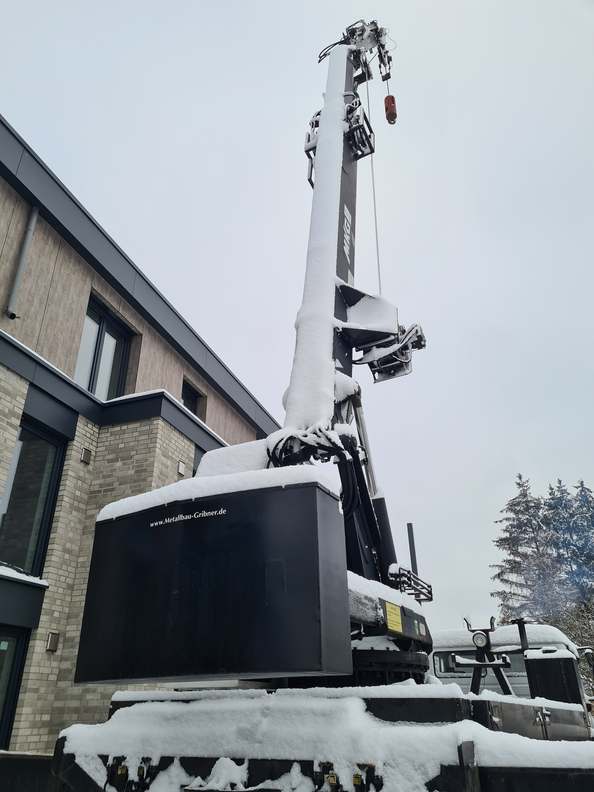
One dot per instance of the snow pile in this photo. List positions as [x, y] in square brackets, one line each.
[539, 701]
[376, 642]
[226, 772]
[172, 779]
[498, 749]
[281, 727]
[371, 313]
[16, 574]
[344, 387]
[365, 594]
[207, 486]
[310, 397]
[549, 653]
[223, 774]
[182, 695]
[399, 690]
[506, 637]
[343, 429]
[234, 459]
[294, 725]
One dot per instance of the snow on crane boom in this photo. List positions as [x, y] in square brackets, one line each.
[335, 318]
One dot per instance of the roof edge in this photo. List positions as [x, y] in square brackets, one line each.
[37, 183]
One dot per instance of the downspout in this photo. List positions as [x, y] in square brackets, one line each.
[22, 263]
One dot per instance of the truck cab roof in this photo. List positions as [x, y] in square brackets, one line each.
[505, 638]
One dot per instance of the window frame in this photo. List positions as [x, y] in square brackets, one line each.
[200, 399]
[8, 712]
[198, 454]
[466, 672]
[106, 321]
[51, 498]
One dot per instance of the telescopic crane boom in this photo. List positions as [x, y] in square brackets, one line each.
[338, 325]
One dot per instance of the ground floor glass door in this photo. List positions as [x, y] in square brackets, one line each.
[12, 653]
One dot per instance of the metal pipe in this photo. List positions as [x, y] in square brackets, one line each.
[362, 429]
[411, 545]
[22, 263]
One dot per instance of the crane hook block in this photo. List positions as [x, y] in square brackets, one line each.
[390, 105]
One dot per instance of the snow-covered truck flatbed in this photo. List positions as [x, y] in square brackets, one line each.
[402, 738]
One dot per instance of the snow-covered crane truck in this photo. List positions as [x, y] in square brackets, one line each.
[272, 574]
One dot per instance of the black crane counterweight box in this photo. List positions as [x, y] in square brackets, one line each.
[243, 585]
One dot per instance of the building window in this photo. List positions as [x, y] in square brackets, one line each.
[193, 400]
[13, 647]
[198, 454]
[27, 504]
[102, 356]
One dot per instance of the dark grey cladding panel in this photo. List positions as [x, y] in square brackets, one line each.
[20, 603]
[11, 149]
[74, 223]
[32, 179]
[16, 359]
[50, 412]
[56, 401]
[47, 379]
[66, 392]
[174, 415]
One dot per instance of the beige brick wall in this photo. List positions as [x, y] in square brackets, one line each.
[172, 448]
[52, 303]
[39, 684]
[127, 459]
[13, 392]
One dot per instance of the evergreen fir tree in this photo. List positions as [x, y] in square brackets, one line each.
[529, 571]
[558, 514]
[580, 550]
[547, 571]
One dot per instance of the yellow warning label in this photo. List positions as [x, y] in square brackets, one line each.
[393, 617]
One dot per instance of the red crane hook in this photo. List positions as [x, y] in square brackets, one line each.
[390, 106]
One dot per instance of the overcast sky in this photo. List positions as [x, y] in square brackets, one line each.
[180, 127]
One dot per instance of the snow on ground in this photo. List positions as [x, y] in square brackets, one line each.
[206, 486]
[15, 574]
[294, 724]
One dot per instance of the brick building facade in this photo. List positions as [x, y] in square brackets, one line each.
[105, 391]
